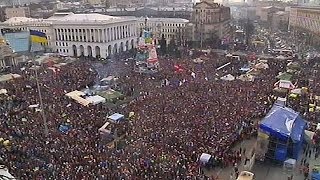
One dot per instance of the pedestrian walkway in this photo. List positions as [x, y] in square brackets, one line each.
[265, 171]
[225, 173]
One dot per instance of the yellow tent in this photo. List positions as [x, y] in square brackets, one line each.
[131, 114]
[6, 143]
[293, 96]
[312, 105]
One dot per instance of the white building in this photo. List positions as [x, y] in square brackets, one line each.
[82, 34]
[17, 12]
[168, 27]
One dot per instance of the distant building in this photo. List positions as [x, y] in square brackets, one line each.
[169, 28]
[266, 13]
[306, 19]
[93, 35]
[6, 55]
[2, 14]
[211, 23]
[280, 20]
[17, 12]
[159, 12]
[244, 12]
[92, 2]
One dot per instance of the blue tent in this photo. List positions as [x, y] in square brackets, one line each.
[284, 123]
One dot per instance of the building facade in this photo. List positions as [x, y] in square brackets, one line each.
[6, 55]
[169, 28]
[280, 20]
[93, 35]
[211, 21]
[306, 20]
[17, 12]
[92, 2]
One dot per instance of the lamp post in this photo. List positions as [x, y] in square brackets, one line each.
[201, 34]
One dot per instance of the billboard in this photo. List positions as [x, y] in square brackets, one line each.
[18, 41]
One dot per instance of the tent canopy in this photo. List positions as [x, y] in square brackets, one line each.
[116, 117]
[284, 123]
[262, 66]
[204, 158]
[228, 77]
[3, 91]
[96, 99]
[8, 77]
[284, 76]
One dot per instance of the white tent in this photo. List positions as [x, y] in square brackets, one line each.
[76, 95]
[284, 84]
[296, 91]
[198, 60]
[108, 79]
[281, 57]
[204, 158]
[3, 91]
[5, 173]
[246, 77]
[261, 66]
[281, 101]
[228, 77]
[34, 106]
[104, 130]
[116, 117]
[96, 99]
[8, 77]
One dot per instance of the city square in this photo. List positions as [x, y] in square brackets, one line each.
[220, 94]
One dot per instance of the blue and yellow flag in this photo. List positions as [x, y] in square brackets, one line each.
[38, 37]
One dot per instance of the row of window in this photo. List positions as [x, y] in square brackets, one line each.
[313, 25]
[163, 24]
[63, 50]
[95, 35]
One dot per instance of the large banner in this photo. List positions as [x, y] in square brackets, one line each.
[18, 41]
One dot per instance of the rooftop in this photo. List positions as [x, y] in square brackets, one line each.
[21, 20]
[70, 18]
[174, 20]
[83, 17]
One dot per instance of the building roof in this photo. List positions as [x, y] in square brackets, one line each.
[20, 20]
[70, 18]
[88, 17]
[173, 20]
[281, 13]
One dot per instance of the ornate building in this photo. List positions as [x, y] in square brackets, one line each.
[169, 28]
[306, 20]
[211, 23]
[82, 34]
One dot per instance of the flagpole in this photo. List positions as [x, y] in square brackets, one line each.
[44, 118]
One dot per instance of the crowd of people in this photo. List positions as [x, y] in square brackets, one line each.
[175, 122]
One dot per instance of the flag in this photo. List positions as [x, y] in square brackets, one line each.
[178, 68]
[38, 37]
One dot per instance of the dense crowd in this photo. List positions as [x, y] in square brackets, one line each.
[174, 122]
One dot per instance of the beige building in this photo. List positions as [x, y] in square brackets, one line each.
[169, 28]
[17, 12]
[280, 20]
[92, 2]
[125, 3]
[306, 19]
[6, 55]
[211, 22]
[76, 35]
